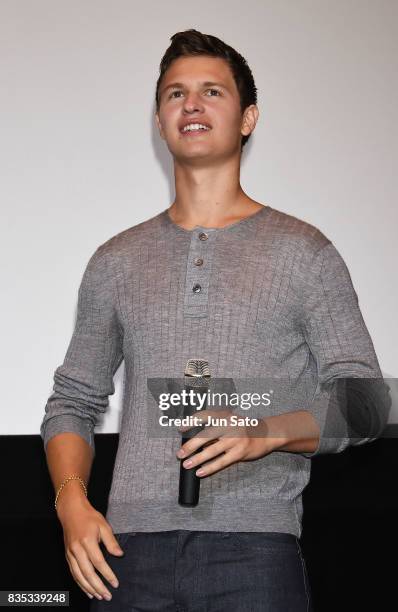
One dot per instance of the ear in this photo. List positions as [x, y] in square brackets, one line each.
[159, 126]
[249, 120]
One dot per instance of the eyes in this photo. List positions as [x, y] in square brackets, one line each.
[179, 91]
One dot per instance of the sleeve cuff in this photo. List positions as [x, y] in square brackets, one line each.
[350, 411]
[66, 423]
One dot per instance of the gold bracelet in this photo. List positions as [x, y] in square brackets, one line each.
[73, 477]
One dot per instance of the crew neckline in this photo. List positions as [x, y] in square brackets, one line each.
[172, 223]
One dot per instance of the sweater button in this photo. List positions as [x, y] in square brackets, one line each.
[198, 261]
[203, 236]
[196, 288]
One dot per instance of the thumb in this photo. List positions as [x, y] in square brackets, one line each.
[110, 542]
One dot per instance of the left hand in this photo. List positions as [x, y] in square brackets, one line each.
[235, 443]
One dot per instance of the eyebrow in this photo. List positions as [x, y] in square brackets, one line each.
[203, 84]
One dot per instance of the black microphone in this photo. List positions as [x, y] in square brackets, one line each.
[196, 377]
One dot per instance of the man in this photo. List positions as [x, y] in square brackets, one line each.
[256, 293]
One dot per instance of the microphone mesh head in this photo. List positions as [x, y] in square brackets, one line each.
[197, 372]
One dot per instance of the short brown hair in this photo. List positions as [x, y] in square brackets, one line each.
[192, 42]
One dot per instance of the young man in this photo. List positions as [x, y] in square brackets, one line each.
[254, 292]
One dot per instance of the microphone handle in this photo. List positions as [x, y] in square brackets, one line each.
[188, 495]
[189, 487]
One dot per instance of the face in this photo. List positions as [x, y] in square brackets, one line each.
[202, 90]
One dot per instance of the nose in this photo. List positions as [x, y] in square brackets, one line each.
[192, 103]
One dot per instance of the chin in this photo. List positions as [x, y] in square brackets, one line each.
[192, 152]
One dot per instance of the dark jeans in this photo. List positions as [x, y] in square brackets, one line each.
[207, 571]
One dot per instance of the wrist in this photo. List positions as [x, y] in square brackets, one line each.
[276, 433]
[295, 431]
[72, 495]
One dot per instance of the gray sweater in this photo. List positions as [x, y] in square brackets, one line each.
[268, 298]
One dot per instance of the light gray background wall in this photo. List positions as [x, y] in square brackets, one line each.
[81, 159]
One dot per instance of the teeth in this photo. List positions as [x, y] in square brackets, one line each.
[194, 126]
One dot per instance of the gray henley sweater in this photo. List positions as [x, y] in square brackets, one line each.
[275, 299]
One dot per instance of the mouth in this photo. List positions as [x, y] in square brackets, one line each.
[194, 129]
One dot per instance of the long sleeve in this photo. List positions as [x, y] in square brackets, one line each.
[351, 402]
[83, 383]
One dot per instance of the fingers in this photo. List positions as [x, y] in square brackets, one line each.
[212, 432]
[231, 456]
[245, 444]
[79, 578]
[212, 450]
[231, 449]
[98, 560]
[83, 563]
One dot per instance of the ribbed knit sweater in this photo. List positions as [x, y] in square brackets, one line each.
[275, 299]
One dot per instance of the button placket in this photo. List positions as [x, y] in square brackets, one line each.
[198, 274]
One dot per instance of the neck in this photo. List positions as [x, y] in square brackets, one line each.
[209, 198]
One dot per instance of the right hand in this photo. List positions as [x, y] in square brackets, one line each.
[84, 528]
